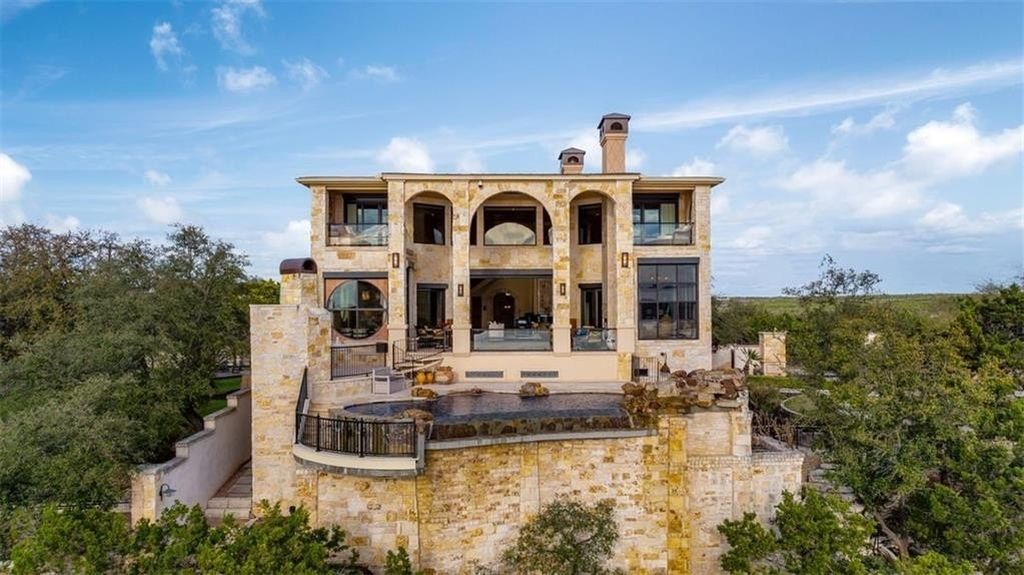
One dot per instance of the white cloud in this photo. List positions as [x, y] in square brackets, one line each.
[795, 100]
[61, 225]
[291, 242]
[956, 148]
[10, 8]
[752, 238]
[380, 73]
[157, 178]
[164, 44]
[306, 72]
[635, 159]
[719, 202]
[406, 155]
[162, 210]
[695, 167]
[877, 193]
[759, 140]
[470, 163]
[950, 218]
[588, 141]
[13, 177]
[883, 120]
[245, 79]
[227, 23]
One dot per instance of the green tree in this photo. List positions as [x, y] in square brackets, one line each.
[814, 535]
[567, 537]
[738, 321]
[993, 325]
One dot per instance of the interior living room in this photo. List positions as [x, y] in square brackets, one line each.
[510, 312]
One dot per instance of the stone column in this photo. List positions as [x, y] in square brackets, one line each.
[624, 277]
[560, 272]
[398, 327]
[461, 219]
[318, 218]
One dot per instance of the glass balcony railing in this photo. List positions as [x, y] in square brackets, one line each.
[357, 234]
[663, 234]
[593, 339]
[510, 339]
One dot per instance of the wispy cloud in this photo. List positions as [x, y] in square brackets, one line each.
[798, 100]
[162, 210]
[227, 22]
[757, 140]
[10, 8]
[695, 167]
[883, 120]
[164, 44]
[13, 177]
[956, 148]
[157, 178]
[306, 72]
[245, 79]
[406, 155]
[379, 73]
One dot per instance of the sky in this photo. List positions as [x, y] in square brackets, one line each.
[888, 135]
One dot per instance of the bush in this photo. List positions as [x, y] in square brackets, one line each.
[566, 537]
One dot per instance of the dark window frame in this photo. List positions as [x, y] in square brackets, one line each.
[357, 310]
[416, 238]
[651, 199]
[362, 202]
[585, 236]
[659, 287]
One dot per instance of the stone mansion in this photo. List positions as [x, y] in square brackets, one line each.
[572, 282]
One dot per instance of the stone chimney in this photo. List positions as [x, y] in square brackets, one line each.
[299, 284]
[571, 160]
[614, 130]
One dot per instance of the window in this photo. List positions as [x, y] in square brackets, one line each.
[510, 226]
[591, 307]
[428, 224]
[472, 231]
[654, 218]
[668, 301]
[358, 309]
[366, 210]
[429, 307]
[589, 222]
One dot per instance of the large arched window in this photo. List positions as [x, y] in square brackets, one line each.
[358, 309]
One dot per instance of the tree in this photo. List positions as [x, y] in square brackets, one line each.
[566, 537]
[993, 326]
[739, 321]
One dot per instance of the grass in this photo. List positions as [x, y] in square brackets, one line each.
[217, 401]
[940, 308]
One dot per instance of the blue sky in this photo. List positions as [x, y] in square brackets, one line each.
[888, 135]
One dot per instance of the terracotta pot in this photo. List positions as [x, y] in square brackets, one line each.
[430, 377]
[421, 378]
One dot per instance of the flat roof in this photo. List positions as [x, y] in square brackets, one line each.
[639, 179]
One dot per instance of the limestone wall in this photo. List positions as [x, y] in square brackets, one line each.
[671, 490]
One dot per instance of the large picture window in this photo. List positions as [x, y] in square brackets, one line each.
[358, 309]
[366, 210]
[654, 218]
[668, 301]
[428, 224]
[510, 226]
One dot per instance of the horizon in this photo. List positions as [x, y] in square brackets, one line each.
[889, 136]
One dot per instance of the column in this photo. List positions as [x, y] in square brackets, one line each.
[560, 272]
[461, 219]
[398, 327]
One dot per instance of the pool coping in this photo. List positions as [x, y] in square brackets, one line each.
[484, 441]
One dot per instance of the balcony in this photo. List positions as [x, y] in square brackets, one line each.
[593, 339]
[511, 339]
[357, 234]
[663, 234]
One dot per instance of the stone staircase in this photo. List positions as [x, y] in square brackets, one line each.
[233, 498]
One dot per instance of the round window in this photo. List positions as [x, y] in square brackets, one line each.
[358, 309]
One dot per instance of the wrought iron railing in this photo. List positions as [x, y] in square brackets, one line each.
[510, 339]
[357, 234]
[663, 233]
[353, 436]
[301, 405]
[418, 351]
[593, 339]
[360, 359]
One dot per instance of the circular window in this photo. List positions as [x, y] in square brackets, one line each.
[358, 309]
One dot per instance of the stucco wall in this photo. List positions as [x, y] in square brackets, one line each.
[202, 463]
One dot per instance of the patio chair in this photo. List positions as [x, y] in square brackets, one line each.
[386, 381]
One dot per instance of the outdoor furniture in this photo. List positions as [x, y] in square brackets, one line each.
[386, 381]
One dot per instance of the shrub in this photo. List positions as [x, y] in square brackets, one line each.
[566, 537]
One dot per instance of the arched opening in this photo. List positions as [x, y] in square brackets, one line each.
[573, 160]
[358, 309]
[616, 127]
[510, 219]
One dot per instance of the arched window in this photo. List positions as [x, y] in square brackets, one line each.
[358, 309]
[616, 127]
[573, 160]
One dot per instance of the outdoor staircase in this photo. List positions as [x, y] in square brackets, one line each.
[408, 357]
[234, 497]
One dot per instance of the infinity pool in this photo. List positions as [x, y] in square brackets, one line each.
[487, 414]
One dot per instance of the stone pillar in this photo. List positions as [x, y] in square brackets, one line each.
[624, 277]
[398, 326]
[461, 220]
[560, 272]
[318, 218]
[300, 283]
[672, 431]
[702, 208]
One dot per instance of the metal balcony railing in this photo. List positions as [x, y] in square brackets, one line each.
[361, 359]
[380, 438]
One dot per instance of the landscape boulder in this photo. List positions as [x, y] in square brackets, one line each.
[533, 389]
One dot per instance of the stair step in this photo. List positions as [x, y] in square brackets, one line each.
[240, 513]
[229, 503]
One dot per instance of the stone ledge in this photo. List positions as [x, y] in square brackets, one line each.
[344, 464]
[514, 439]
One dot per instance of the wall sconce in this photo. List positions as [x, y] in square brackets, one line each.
[625, 259]
[462, 290]
[394, 260]
[165, 490]
[561, 288]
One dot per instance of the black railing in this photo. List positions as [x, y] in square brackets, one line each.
[357, 234]
[663, 233]
[646, 369]
[361, 359]
[510, 339]
[378, 438]
[418, 351]
[300, 405]
[593, 339]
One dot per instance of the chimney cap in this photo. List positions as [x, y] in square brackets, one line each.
[297, 266]
[571, 152]
[612, 116]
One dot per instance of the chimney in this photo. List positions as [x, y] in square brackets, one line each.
[299, 285]
[571, 160]
[614, 129]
